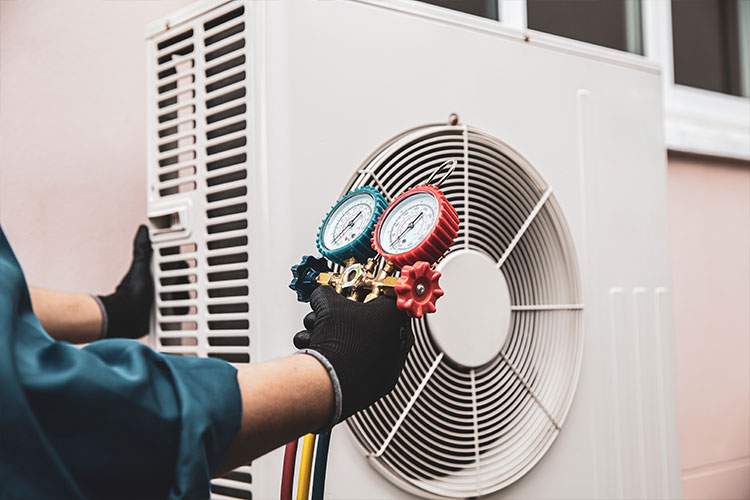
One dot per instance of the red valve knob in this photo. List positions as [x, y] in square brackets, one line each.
[418, 289]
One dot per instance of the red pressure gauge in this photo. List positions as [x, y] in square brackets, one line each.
[413, 233]
[420, 225]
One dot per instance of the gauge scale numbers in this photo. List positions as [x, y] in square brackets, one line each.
[348, 221]
[409, 223]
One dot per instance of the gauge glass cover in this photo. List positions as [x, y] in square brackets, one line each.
[408, 223]
[347, 221]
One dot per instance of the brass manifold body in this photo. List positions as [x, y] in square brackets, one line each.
[361, 281]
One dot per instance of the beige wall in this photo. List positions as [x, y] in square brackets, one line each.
[72, 115]
[709, 211]
[72, 135]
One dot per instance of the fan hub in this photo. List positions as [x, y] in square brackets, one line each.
[473, 320]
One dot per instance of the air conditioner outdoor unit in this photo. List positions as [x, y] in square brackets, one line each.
[547, 371]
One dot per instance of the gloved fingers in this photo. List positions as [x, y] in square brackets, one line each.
[309, 321]
[322, 300]
[142, 244]
[302, 339]
[386, 308]
[128, 308]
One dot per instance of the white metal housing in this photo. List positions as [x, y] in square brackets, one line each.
[262, 113]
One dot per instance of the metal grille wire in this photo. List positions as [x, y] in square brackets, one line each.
[461, 432]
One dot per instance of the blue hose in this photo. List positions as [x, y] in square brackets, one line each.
[321, 462]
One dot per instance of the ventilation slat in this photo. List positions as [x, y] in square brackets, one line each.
[227, 219]
[225, 481]
[226, 32]
[177, 128]
[173, 94]
[171, 163]
[223, 300]
[172, 39]
[228, 283]
[188, 258]
[226, 159]
[175, 303]
[239, 137]
[229, 348]
[181, 81]
[226, 268]
[223, 81]
[178, 65]
[226, 177]
[225, 63]
[162, 318]
[175, 272]
[226, 129]
[226, 253]
[175, 108]
[171, 118]
[178, 48]
[180, 173]
[182, 350]
[231, 44]
[228, 317]
[221, 19]
[186, 289]
[177, 152]
[231, 110]
[184, 137]
[233, 189]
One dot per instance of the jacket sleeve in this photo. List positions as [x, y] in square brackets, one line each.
[114, 418]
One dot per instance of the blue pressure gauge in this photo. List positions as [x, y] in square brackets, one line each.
[347, 229]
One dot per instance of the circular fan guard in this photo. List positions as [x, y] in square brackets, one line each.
[459, 432]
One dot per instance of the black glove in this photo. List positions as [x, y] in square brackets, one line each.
[363, 347]
[126, 312]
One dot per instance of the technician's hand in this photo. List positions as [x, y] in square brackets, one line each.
[363, 347]
[126, 312]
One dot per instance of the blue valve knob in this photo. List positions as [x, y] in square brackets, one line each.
[305, 274]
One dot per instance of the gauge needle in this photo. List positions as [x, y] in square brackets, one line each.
[409, 226]
[351, 223]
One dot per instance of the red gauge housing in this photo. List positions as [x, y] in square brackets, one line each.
[438, 240]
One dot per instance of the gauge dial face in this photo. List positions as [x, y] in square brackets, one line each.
[347, 221]
[408, 223]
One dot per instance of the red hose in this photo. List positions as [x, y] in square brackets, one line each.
[287, 474]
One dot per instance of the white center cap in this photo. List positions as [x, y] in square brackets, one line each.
[473, 317]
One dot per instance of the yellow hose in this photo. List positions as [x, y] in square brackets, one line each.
[305, 466]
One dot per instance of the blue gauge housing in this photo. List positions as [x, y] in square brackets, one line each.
[360, 247]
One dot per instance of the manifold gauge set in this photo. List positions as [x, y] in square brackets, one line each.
[384, 249]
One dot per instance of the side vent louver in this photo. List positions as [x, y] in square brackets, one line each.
[199, 151]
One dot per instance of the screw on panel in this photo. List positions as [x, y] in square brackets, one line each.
[453, 119]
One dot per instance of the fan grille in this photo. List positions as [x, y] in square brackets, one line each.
[460, 432]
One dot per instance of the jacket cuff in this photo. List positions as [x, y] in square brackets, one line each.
[337, 395]
[105, 318]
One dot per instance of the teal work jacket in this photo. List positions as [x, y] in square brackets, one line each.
[113, 419]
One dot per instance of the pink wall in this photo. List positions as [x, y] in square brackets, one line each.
[709, 210]
[72, 191]
[72, 140]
